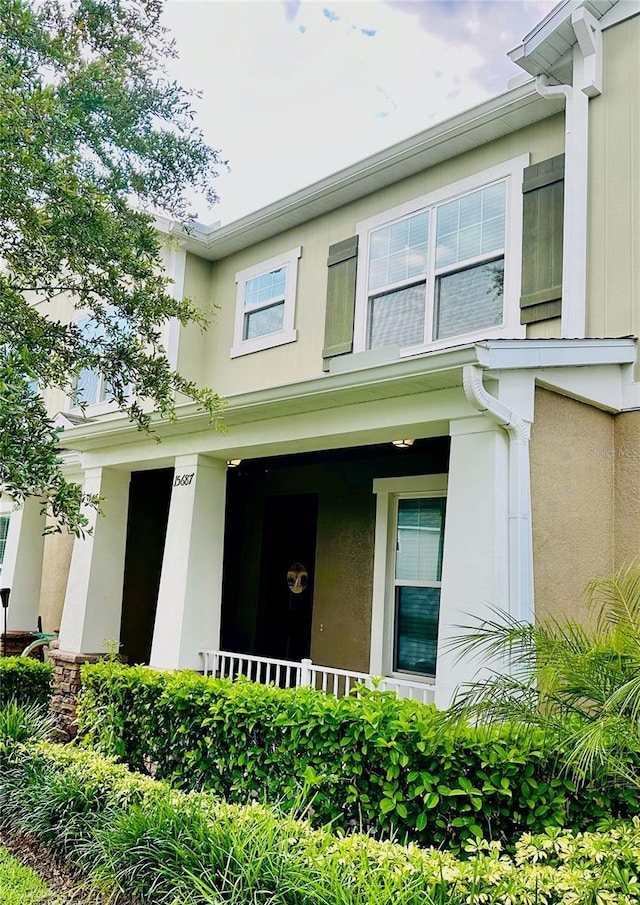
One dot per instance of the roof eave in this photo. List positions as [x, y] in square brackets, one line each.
[500, 115]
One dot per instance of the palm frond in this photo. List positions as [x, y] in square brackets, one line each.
[578, 683]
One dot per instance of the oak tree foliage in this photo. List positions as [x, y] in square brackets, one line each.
[93, 136]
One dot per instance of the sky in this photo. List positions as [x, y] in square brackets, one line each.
[294, 90]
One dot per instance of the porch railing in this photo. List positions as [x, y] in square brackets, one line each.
[224, 664]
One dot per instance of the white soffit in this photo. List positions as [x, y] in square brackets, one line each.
[547, 50]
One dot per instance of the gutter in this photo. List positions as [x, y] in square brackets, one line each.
[521, 601]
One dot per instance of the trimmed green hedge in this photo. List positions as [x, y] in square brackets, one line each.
[134, 835]
[25, 680]
[377, 763]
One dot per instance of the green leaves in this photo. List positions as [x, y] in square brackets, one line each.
[25, 681]
[92, 135]
[378, 763]
[136, 837]
[577, 683]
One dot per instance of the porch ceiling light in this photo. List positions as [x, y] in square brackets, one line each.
[403, 444]
[233, 463]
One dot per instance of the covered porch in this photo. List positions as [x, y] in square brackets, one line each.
[323, 496]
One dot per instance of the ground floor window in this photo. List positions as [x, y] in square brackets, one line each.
[408, 574]
[418, 571]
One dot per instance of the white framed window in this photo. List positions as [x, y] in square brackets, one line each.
[265, 305]
[443, 266]
[92, 389]
[4, 531]
[410, 517]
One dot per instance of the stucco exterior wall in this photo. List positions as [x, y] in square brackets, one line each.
[198, 285]
[572, 490]
[627, 487]
[613, 276]
[55, 570]
[303, 358]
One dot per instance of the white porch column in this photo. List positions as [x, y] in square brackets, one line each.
[22, 567]
[475, 573]
[190, 595]
[93, 602]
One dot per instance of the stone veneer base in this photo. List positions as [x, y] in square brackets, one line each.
[66, 685]
[15, 643]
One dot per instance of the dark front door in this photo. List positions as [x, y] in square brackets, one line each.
[287, 567]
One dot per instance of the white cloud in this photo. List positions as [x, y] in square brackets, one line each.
[292, 93]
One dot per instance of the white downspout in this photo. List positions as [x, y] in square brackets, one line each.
[520, 535]
[587, 82]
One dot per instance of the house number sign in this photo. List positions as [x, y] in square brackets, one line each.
[183, 480]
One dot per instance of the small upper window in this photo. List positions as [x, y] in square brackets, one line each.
[91, 386]
[435, 267]
[265, 308]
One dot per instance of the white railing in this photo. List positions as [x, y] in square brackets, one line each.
[225, 664]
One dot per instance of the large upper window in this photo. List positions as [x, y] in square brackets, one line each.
[435, 268]
[265, 306]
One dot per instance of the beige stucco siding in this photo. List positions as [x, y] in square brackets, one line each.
[55, 570]
[303, 358]
[613, 276]
[192, 348]
[572, 489]
[627, 487]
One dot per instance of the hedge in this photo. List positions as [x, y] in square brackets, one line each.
[136, 836]
[25, 680]
[377, 763]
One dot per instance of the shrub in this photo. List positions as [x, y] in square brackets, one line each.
[25, 681]
[137, 836]
[378, 763]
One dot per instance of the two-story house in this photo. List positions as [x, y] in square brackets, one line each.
[433, 398]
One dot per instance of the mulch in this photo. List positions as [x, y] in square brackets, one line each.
[69, 884]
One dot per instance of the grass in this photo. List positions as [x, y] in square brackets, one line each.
[19, 885]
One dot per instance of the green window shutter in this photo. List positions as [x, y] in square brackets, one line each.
[542, 222]
[341, 299]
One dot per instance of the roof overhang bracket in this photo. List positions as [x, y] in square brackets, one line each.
[589, 37]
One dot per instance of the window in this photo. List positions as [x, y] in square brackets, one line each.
[91, 386]
[265, 306]
[417, 578]
[410, 516]
[4, 530]
[436, 268]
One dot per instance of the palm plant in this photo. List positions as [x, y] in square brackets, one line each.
[577, 682]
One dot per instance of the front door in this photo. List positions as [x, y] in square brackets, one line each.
[287, 567]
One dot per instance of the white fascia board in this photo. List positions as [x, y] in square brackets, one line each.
[555, 353]
[259, 403]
